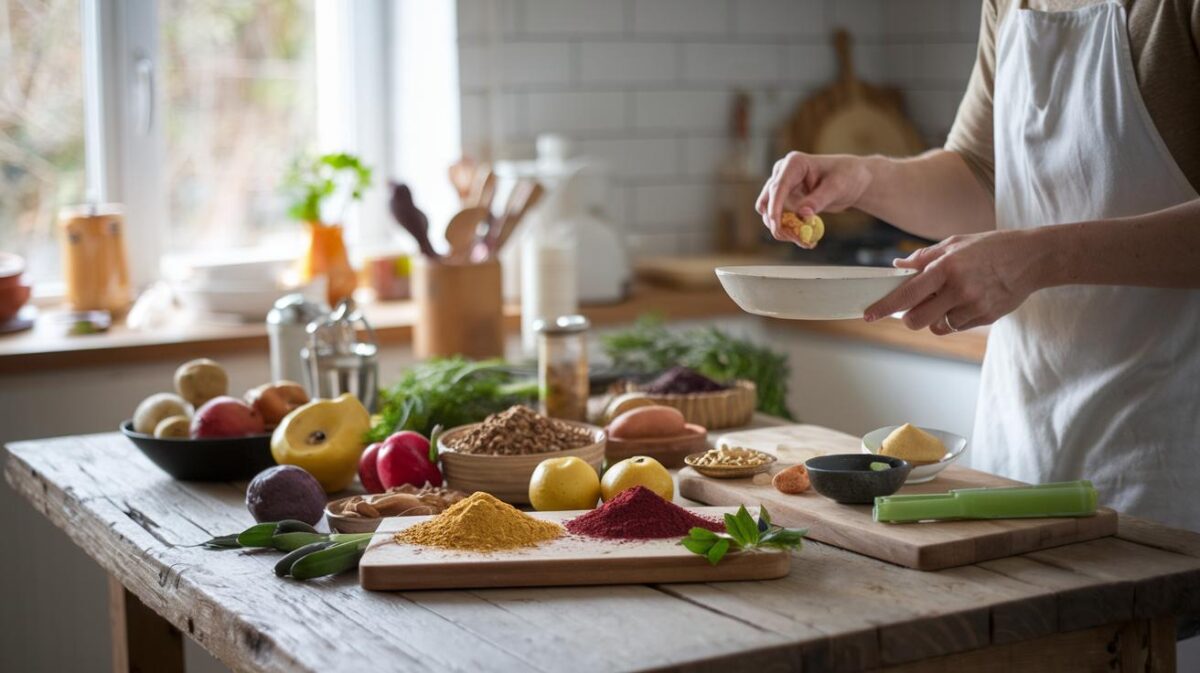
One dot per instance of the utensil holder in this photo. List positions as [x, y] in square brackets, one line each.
[460, 310]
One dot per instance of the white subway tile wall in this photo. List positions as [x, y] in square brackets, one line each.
[647, 85]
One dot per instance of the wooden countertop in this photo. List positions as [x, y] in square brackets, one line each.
[1084, 606]
[36, 350]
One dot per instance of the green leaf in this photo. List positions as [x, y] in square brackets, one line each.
[718, 550]
[742, 527]
[764, 516]
[695, 546]
[258, 535]
[699, 533]
[434, 435]
[222, 542]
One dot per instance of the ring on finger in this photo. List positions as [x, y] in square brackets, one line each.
[949, 325]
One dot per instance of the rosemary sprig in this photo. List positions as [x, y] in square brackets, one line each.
[743, 533]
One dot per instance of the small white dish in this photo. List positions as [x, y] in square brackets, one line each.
[955, 446]
[809, 292]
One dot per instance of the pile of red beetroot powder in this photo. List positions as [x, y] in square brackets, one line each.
[639, 514]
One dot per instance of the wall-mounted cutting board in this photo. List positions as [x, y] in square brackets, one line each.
[570, 560]
[924, 546]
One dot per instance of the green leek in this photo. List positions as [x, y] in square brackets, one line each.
[1068, 498]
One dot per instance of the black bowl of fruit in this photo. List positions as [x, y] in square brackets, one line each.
[224, 439]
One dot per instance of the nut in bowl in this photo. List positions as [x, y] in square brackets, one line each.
[922, 471]
[730, 462]
[499, 455]
[363, 513]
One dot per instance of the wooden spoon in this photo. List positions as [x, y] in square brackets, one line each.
[484, 189]
[523, 199]
[461, 231]
[462, 176]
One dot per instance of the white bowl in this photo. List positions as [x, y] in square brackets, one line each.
[955, 446]
[809, 292]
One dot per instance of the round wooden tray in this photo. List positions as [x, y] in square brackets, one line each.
[507, 477]
[670, 451]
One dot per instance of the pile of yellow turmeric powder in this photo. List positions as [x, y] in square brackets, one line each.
[480, 523]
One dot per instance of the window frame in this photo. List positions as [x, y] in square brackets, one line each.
[125, 140]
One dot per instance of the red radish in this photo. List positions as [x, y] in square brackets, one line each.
[404, 459]
[368, 469]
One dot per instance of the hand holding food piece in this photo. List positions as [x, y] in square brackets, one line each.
[226, 416]
[275, 400]
[325, 437]
[152, 410]
[648, 422]
[808, 230]
[198, 381]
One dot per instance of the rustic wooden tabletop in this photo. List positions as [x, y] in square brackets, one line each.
[1108, 603]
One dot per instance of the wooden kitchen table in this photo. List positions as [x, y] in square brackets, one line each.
[1109, 604]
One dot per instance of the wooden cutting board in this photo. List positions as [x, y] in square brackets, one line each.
[569, 560]
[924, 546]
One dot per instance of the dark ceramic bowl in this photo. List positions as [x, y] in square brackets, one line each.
[849, 479]
[224, 459]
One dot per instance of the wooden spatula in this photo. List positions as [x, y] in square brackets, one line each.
[461, 232]
[483, 190]
[524, 197]
[462, 176]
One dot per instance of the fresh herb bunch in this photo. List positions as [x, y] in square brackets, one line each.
[449, 392]
[743, 533]
[649, 348]
[312, 179]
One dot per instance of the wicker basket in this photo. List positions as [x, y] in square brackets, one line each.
[730, 408]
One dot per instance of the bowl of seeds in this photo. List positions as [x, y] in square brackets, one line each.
[499, 455]
[730, 462]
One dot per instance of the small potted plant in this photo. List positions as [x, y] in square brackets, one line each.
[319, 189]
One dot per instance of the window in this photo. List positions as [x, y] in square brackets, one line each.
[41, 127]
[188, 112]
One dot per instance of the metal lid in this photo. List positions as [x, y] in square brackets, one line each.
[563, 324]
[295, 309]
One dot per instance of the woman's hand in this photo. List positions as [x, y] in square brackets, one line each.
[966, 281]
[808, 184]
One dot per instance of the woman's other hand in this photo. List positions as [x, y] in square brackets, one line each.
[808, 184]
[965, 281]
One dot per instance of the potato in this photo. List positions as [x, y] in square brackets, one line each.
[647, 423]
[198, 381]
[155, 408]
[173, 427]
[792, 480]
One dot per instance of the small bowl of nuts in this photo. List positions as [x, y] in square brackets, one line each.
[363, 513]
[730, 462]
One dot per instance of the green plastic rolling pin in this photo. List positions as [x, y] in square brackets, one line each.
[1067, 498]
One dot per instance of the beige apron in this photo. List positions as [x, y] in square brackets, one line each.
[1092, 382]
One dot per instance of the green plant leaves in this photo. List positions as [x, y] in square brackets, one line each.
[742, 534]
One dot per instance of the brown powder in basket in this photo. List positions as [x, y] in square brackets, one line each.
[481, 523]
[519, 431]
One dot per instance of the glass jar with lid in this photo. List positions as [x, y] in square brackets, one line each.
[563, 366]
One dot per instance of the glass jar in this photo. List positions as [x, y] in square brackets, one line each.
[563, 367]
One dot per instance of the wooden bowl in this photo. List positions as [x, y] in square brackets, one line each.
[730, 408]
[670, 451]
[216, 459]
[507, 477]
[731, 472]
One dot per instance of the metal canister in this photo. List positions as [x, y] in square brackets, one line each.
[287, 324]
[563, 366]
[336, 361]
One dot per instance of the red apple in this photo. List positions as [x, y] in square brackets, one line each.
[226, 416]
[404, 459]
[368, 469]
[275, 400]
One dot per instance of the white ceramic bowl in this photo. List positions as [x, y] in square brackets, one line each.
[955, 446]
[809, 292]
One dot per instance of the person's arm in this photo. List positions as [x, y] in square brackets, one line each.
[968, 281]
[934, 195]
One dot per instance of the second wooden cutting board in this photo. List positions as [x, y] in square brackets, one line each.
[924, 546]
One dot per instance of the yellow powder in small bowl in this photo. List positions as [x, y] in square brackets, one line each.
[908, 442]
[482, 523]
